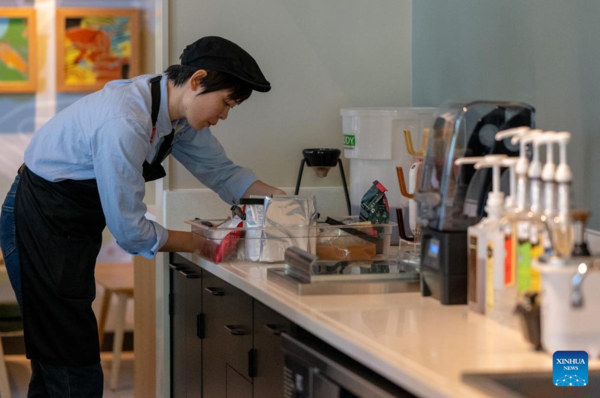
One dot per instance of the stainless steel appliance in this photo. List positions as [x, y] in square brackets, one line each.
[321, 372]
[304, 274]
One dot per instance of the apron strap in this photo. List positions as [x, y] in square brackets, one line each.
[154, 171]
[155, 91]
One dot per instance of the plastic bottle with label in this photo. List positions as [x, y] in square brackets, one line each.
[530, 245]
[561, 226]
[548, 173]
[480, 270]
[494, 253]
[510, 244]
[516, 204]
[517, 220]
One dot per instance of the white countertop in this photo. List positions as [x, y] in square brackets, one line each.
[411, 340]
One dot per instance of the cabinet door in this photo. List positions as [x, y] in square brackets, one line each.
[214, 368]
[193, 333]
[177, 318]
[237, 329]
[268, 326]
[238, 386]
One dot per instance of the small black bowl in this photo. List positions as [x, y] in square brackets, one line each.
[321, 157]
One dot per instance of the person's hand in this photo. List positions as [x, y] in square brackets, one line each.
[277, 191]
[259, 188]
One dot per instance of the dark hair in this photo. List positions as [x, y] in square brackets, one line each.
[214, 81]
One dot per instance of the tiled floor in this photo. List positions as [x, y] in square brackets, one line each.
[19, 373]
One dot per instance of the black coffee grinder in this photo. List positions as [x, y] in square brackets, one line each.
[452, 198]
[321, 160]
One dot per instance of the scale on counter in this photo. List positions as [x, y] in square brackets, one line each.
[304, 274]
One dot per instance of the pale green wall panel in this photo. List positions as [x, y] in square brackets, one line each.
[542, 52]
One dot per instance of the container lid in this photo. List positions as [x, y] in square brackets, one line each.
[386, 111]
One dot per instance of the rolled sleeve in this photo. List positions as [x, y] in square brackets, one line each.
[119, 148]
[202, 154]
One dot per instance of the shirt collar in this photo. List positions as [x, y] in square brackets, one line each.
[163, 124]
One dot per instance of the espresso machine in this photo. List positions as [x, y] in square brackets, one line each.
[451, 198]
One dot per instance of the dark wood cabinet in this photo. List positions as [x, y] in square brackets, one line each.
[178, 351]
[237, 331]
[214, 366]
[237, 385]
[185, 305]
[223, 342]
[193, 342]
[269, 358]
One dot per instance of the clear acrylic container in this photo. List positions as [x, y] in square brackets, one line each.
[351, 241]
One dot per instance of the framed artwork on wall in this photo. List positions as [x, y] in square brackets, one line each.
[18, 72]
[95, 46]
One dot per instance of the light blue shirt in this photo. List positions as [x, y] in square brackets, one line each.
[106, 136]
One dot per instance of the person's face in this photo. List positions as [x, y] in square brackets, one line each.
[207, 109]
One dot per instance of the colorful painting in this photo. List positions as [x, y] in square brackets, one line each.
[17, 50]
[95, 46]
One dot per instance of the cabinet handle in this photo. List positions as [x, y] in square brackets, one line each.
[189, 274]
[235, 330]
[200, 325]
[252, 363]
[214, 291]
[176, 267]
[273, 329]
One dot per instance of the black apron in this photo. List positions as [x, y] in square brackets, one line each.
[59, 234]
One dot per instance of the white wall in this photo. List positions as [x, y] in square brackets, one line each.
[319, 56]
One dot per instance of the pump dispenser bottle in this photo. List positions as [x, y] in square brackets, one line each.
[560, 226]
[548, 172]
[506, 226]
[479, 275]
[516, 203]
[517, 220]
[548, 175]
[494, 238]
[475, 244]
[530, 242]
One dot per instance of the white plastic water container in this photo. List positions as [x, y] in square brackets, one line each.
[374, 144]
[564, 327]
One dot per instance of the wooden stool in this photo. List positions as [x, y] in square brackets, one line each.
[115, 278]
[11, 324]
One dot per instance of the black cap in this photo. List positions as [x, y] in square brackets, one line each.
[222, 55]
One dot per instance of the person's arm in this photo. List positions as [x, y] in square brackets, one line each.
[202, 154]
[119, 148]
[259, 188]
[178, 241]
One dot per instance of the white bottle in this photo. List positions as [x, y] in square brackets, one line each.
[494, 252]
[561, 227]
[530, 240]
[548, 173]
[521, 220]
[478, 274]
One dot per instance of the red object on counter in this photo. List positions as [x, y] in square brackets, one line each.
[218, 250]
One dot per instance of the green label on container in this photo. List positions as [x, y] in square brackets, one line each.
[523, 266]
[349, 141]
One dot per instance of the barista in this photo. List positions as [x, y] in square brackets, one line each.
[86, 169]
